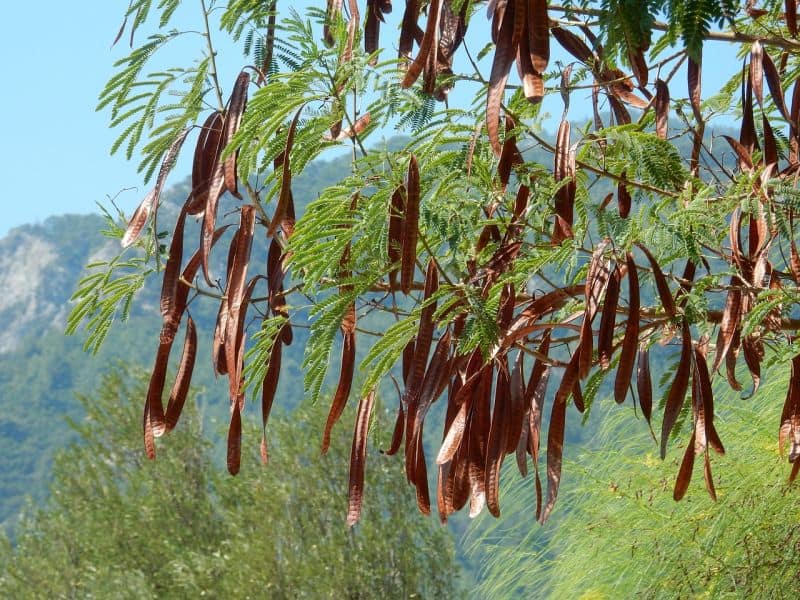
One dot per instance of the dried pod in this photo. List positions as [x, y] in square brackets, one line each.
[662, 109]
[236, 107]
[358, 458]
[139, 219]
[410, 227]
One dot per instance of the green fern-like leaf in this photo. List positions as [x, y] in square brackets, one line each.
[103, 296]
[257, 357]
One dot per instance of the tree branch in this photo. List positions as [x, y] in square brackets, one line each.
[715, 36]
[212, 57]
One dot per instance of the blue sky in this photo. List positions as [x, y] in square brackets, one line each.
[55, 158]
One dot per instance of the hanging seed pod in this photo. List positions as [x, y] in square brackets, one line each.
[409, 229]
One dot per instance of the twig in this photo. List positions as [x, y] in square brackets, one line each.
[212, 58]
[716, 36]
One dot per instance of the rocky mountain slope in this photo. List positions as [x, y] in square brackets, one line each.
[38, 264]
[41, 369]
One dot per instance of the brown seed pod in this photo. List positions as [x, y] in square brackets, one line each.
[630, 342]
[236, 107]
[555, 434]
[410, 227]
[139, 219]
[282, 209]
[662, 109]
[428, 45]
[358, 458]
[180, 388]
[501, 65]
[677, 391]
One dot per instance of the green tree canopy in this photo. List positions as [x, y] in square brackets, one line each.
[119, 526]
[498, 269]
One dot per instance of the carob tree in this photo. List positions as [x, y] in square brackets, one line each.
[513, 287]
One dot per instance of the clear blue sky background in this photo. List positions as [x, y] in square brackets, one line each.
[54, 155]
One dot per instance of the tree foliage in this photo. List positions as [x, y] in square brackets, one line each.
[117, 525]
[498, 269]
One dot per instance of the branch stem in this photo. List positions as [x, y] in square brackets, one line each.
[714, 36]
[212, 57]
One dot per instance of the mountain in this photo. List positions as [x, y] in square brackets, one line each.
[40, 263]
[41, 369]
